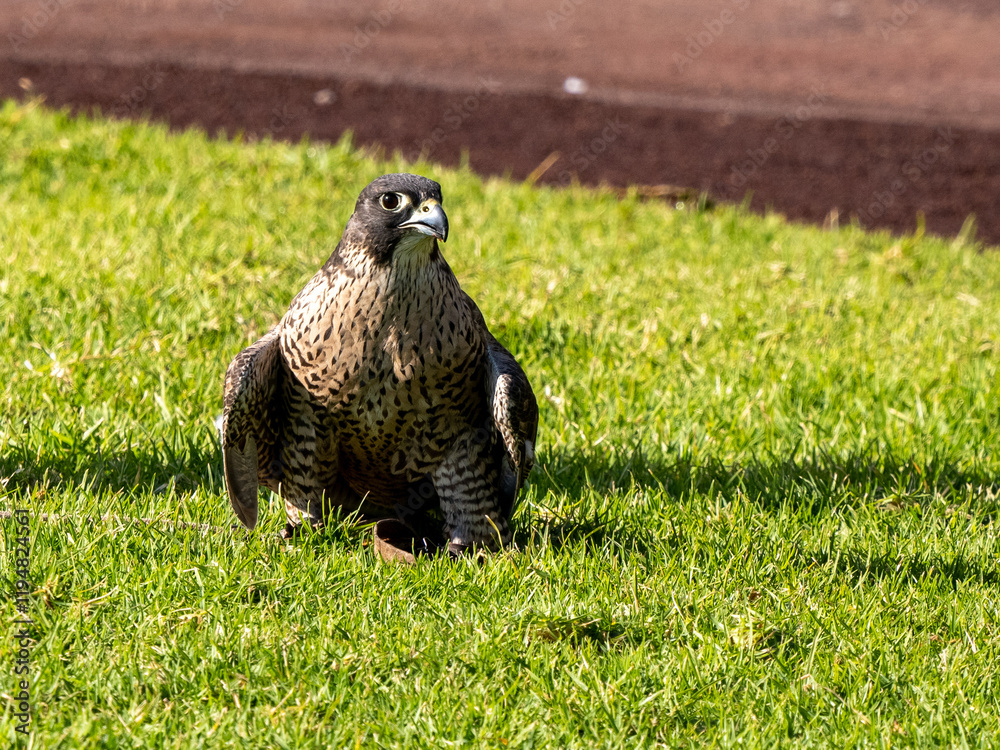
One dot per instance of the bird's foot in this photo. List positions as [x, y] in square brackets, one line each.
[395, 540]
[294, 531]
[477, 552]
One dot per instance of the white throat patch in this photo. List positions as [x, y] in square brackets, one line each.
[414, 243]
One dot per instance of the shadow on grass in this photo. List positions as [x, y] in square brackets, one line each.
[189, 462]
[603, 633]
[817, 481]
[186, 460]
[860, 564]
[811, 484]
[180, 460]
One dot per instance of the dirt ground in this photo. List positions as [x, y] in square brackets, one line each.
[822, 109]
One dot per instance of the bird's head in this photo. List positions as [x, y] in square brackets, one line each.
[399, 213]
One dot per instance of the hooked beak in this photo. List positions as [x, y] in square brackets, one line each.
[428, 218]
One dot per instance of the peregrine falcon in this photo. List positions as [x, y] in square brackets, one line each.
[381, 390]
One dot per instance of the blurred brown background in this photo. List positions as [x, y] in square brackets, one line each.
[822, 109]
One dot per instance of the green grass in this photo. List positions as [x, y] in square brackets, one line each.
[765, 510]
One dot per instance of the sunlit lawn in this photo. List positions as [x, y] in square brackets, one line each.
[764, 512]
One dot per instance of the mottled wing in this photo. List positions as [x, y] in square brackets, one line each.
[253, 384]
[515, 415]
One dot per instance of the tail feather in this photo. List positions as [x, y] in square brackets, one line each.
[241, 480]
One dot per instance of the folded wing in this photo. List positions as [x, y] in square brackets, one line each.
[515, 415]
[250, 422]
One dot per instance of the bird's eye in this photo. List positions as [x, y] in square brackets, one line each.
[392, 201]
